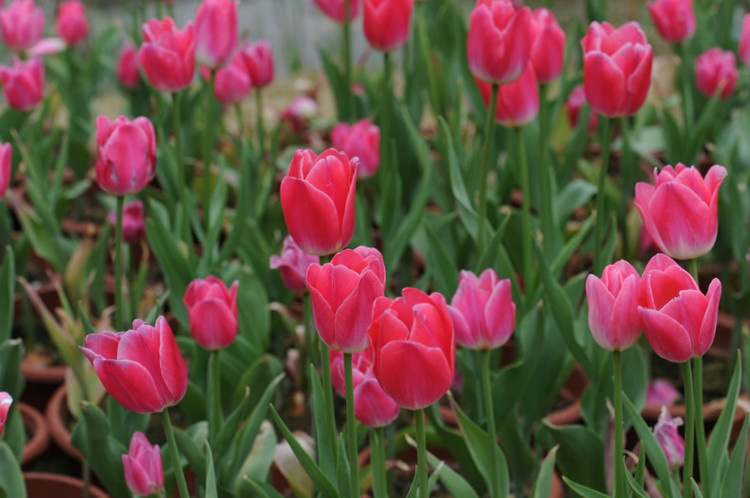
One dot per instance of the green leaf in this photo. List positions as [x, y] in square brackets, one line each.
[581, 454]
[189, 443]
[584, 491]
[574, 195]
[325, 427]
[543, 483]
[11, 479]
[211, 491]
[466, 210]
[7, 286]
[635, 486]
[443, 266]
[261, 489]
[454, 483]
[258, 462]
[732, 484]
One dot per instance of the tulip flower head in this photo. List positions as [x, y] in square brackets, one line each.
[232, 83]
[744, 47]
[716, 72]
[212, 312]
[21, 25]
[133, 224]
[215, 32]
[547, 43]
[141, 368]
[6, 165]
[292, 264]
[674, 20]
[144, 473]
[23, 83]
[360, 140]
[128, 73]
[613, 306]
[680, 211]
[335, 9]
[386, 23]
[517, 102]
[71, 23]
[573, 105]
[667, 434]
[5, 401]
[167, 55]
[127, 154]
[258, 62]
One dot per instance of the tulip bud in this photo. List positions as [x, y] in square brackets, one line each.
[613, 306]
[293, 264]
[167, 55]
[674, 20]
[212, 311]
[127, 154]
[133, 225]
[547, 46]
[71, 24]
[144, 473]
[6, 165]
[23, 83]
[215, 32]
[232, 82]
[386, 23]
[21, 25]
[573, 105]
[335, 9]
[259, 62]
[5, 401]
[669, 438]
[128, 73]
[360, 140]
[716, 72]
[517, 102]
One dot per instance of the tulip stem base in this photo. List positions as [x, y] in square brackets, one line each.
[351, 424]
[489, 411]
[687, 469]
[119, 305]
[700, 430]
[601, 198]
[484, 166]
[424, 491]
[617, 461]
[215, 418]
[377, 463]
[174, 453]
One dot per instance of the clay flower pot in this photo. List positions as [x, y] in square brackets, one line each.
[45, 485]
[35, 425]
[57, 415]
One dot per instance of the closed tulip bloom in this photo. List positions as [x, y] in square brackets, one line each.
[21, 25]
[127, 154]
[517, 102]
[674, 20]
[317, 198]
[335, 9]
[680, 211]
[5, 401]
[342, 293]
[372, 406]
[232, 82]
[142, 369]
[616, 68]
[23, 83]
[744, 47]
[613, 306]
[360, 140]
[573, 105]
[386, 23]
[259, 62]
[212, 312]
[71, 24]
[667, 434]
[6, 165]
[128, 73]
[144, 473]
[716, 72]
[483, 312]
[679, 321]
[547, 46]
[292, 264]
[498, 47]
[167, 55]
[133, 224]
[215, 33]
[414, 347]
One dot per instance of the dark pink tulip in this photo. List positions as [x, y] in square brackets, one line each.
[167, 55]
[133, 224]
[744, 47]
[335, 9]
[414, 347]
[498, 47]
[386, 23]
[573, 105]
[215, 33]
[674, 20]
[141, 368]
[6, 156]
[144, 473]
[128, 73]
[71, 24]
[616, 68]
[232, 82]
[5, 401]
[547, 46]
[716, 72]
[667, 434]
[679, 321]
[680, 211]
[360, 140]
[317, 198]
[127, 154]
[517, 102]
[292, 264]
[21, 25]
[259, 62]
[212, 312]
[23, 83]
[342, 293]
[613, 306]
[483, 312]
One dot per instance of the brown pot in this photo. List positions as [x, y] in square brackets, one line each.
[572, 391]
[35, 425]
[45, 485]
[57, 415]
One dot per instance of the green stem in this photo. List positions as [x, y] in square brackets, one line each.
[617, 461]
[174, 453]
[260, 129]
[489, 410]
[687, 469]
[119, 305]
[424, 42]
[484, 167]
[548, 219]
[424, 491]
[601, 197]
[215, 418]
[86, 475]
[377, 463]
[693, 269]
[627, 183]
[687, 90]
[700, 430]
[181, 181]
[207, 153]
[385, 125]
[525, 214]
[351, 424]
[346, 54]
[325, 366]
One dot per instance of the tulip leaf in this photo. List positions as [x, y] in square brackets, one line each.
[581, 453]
[258, 462]
[261, 489]
[543, 483]
[465, 209]
[697, 493]
[337, 83]
[414, 489]
[189, 444]
[732, 484]
[7, 286]
[572, 196]
[443, 266]
[325, 425]
[211, 491]
[11, 479]
[124, 422]
[11, 356]
[635, 486]
[584, 491]
[454, 482]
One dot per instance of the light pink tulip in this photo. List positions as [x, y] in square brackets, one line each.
[127, 154]
[144, 473]
[71, 23]
[667, 434]
[5, 401]
[23, 83]
[547, 46]
[613, 306]
[716, 72]
[292, 264]
[215, 33]
[259, 62]
[212, 312]
[21, 25]
[674, 20]
[360, 140]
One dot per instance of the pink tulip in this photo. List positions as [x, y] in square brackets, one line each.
[680, 211]
[5, 401]
[679, 321]
[716, 72]
[232, 82]
[616, 68]
[299, 113]
[259, 62]
[335, 9]
[215, 33]
[547, 46]
[517, 102]
[483, 312]
[360, 140]
[6, 166]
[661, 392]
[127, 154]
[613, 306]
[71, 24]
[667, 434]
[21, 25]
[292, 264]
[141, 368]
[47, 46]
[342, 293]
[167, 55]
[497, 46]
[133, 225]
[674, 20]
[414, 347]
[128, 73]
[317, 198]
[144, 473]
[212, 312]
[573, 105]
[372, 406]
[386, 23]
[23, 83]
[744, 47]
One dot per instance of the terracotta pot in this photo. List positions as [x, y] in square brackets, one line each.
[45, 485]
[57, 414]
[35, 425]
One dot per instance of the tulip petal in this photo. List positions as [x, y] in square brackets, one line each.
[310, 216]
[414, 375]
[601, 303]
[604, 84]
[500, 315]
[667, 336]
[212, 324]
[354, 315]
[708, 327]
[130, 384]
